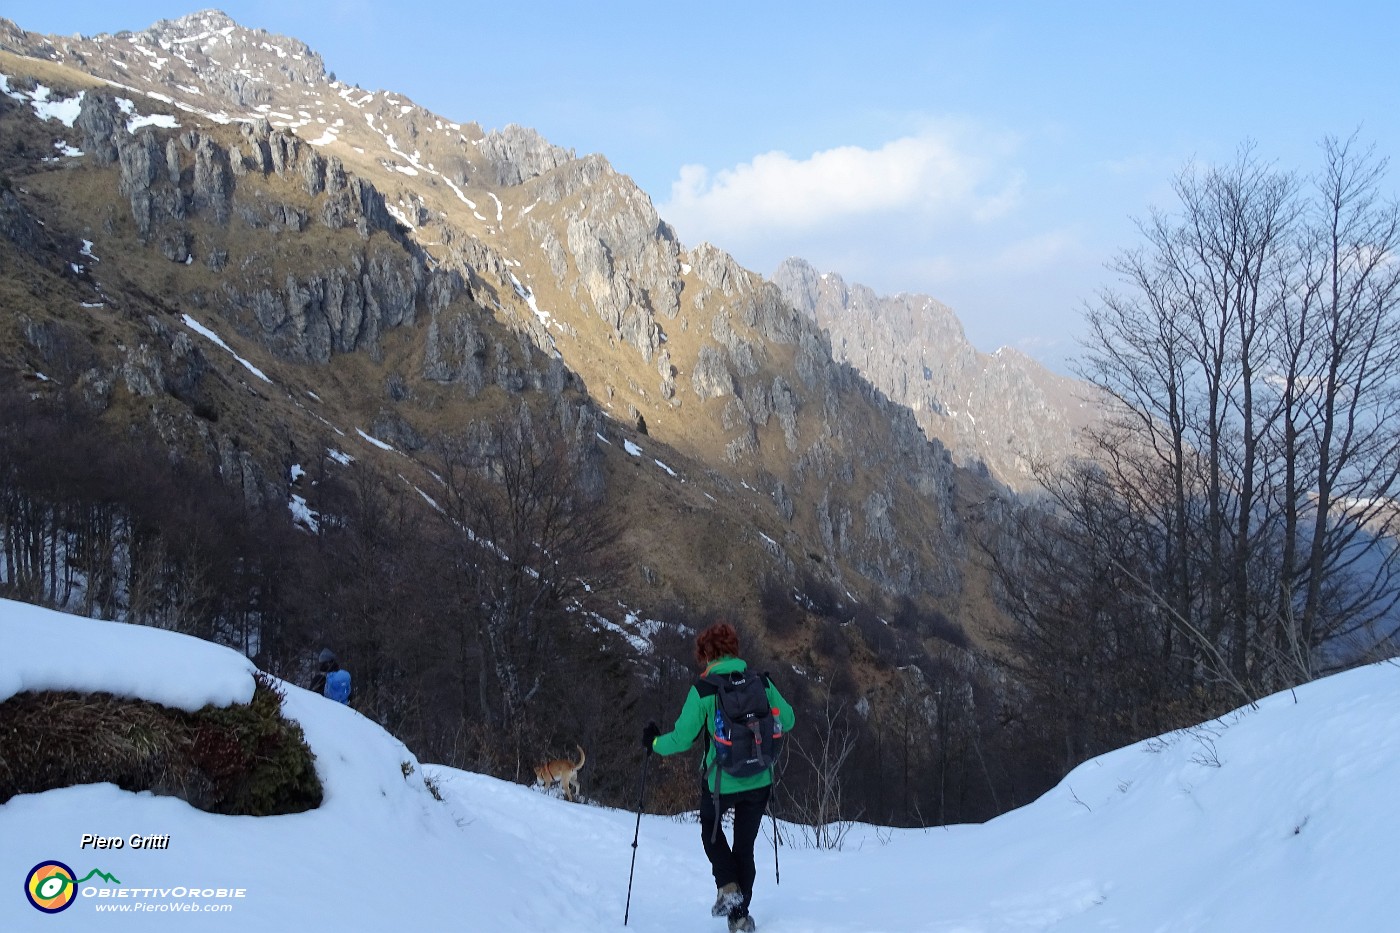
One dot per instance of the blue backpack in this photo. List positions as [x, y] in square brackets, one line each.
[338, 686]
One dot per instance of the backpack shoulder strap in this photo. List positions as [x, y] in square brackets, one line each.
[706, 686]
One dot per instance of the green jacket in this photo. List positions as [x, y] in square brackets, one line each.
[698, 717]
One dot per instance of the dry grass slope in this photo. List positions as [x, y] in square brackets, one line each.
[241, 760]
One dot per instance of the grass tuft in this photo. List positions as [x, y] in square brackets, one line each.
[243, 760]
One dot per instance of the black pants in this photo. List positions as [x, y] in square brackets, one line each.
[733, 863]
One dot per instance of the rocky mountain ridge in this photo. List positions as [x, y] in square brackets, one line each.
[423, 269]
[1001, 410]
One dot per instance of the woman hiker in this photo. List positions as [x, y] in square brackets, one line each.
[717, 653]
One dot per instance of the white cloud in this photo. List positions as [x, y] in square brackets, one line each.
[953, 211]
[945, 176]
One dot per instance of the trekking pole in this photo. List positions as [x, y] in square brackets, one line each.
[641, 800]
[777, 879]
[773, 796]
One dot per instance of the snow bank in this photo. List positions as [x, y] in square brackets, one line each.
[46, 650]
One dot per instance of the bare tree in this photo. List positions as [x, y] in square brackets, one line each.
[1342, 440]
[1091, 647]
[531, 536]
[1255, 358]
[818, 802]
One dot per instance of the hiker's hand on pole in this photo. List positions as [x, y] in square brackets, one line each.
[649, 735]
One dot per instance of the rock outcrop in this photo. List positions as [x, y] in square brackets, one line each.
[1003, 411]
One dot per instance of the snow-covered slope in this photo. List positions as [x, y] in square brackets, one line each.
[1277, 818]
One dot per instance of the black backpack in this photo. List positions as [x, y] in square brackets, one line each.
[747, 733]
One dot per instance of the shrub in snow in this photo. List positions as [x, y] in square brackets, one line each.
[244, 759]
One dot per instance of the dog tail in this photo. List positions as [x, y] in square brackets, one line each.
[581, 757]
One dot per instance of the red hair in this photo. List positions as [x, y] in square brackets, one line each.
[718, 641]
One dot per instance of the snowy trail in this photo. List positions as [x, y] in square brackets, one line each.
[1279, 818]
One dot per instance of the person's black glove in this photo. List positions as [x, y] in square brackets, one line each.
[649, 735]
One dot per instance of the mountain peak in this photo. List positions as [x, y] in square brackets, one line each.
[194, 22]
[211, 48]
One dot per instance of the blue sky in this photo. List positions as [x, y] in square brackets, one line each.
[992, 155]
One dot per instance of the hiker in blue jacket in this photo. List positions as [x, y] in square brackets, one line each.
[331, 680]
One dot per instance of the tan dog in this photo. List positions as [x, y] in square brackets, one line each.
[561, 770]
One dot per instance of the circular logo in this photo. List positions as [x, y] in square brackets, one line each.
[50, 887]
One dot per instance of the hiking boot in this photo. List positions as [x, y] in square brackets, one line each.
[727, 898]
[740, 921]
